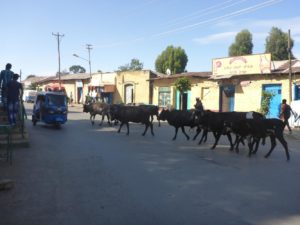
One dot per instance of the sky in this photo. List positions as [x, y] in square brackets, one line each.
[122, 30]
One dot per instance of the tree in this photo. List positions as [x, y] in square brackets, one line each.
[277, 44]
[242, 45]
[265, 102]
[174, 59]
[182, 84]
[77, 69]
[135, 64]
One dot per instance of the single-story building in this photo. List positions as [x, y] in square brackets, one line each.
[165, 94]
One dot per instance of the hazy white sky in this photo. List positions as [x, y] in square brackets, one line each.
[122, 30]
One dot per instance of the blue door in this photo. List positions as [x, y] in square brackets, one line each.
[187, 104]
[274, 110]
[177, 100]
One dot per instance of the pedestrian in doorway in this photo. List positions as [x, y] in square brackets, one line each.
[285, 114]
[14, 95]
[5, 77]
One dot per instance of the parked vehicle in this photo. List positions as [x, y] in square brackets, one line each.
[50, 108]
[29, 96]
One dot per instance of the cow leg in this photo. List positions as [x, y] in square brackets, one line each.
[230, 141]
[284, 144]
[108, 119]
[256, 142]
[146, 128]
[273, 144]
[151, 118]
[151, 127]
[101, 120]
[176, 130]
[91, 118]
[237, 142]
[158, 121]
[217, 137]
[127, 124]
[121, 125]
[263, 141]
[183, 131]
[204, 136]
[198, 131]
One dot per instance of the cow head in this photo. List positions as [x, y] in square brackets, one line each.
[163, 115]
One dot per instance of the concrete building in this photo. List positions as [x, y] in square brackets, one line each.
[134, 87]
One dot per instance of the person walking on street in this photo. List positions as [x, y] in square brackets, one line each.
[285, 114]
[199, 106]
[5, 77]
[14, 94]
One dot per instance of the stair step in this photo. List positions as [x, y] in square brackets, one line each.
[21, 143]
[15, 136]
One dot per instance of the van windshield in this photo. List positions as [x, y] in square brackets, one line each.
[57, 100]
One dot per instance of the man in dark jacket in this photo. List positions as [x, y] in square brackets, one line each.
[14, 95]
[5, 77]
[285, 113]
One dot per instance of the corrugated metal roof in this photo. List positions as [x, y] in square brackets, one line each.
[77, 76]
[187, 74]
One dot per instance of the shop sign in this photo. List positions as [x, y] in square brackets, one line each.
[242, 65]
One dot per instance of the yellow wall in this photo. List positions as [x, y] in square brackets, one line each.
[249, 97]
[205, 89]
[140, 82]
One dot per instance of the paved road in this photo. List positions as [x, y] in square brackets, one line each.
[84, 175]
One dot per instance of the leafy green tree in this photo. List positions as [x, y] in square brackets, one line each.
[77, 69]
[174, 59]
[135, 64]
[183, 85]
[243, 44]
[277, 44]
[265, 102]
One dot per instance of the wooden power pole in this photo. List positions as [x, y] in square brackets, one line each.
[58, 37]
[290, 67]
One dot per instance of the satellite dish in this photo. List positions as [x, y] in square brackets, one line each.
[168, 72]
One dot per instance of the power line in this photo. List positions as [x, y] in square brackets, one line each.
[220, 18]
[201, 22]
[178, 19]
[205, 12]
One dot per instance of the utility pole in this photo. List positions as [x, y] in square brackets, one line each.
[290, 67]
[58, 37]
[89, 48]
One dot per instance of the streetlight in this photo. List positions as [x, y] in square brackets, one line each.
[89, 48]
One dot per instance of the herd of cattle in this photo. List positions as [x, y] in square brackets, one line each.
[250, 126]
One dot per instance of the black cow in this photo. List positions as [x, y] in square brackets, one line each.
[126, 114]
[179, 119]
[95, 108]
[214, 122]
[258, 129]
[153, 110]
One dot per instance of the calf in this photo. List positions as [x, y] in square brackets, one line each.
[179, 119]
[126, 114]
[95, 108]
